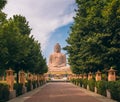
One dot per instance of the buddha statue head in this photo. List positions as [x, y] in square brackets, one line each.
[57, 48]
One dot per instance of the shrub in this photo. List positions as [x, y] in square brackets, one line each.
[28, 85]
[77, 81]
[18, 87]
[81, 82]
[91, 84]
[85, 82]
[41, 82]
[34, 83]
[101, 87]
[114, 88]
[72, 80]
[4, 92]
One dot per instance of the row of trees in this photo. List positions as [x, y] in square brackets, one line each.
[19, 50]
[94, 40]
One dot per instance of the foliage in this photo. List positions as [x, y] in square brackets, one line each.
[85, 82]
[18, 49]
[114, 88]
[4, 92]
[28, 85]
[2, 4]
[18, 87]
[34, 83]
[93, 43]
[101, 87]
[81, 82]
[91, 84]
[22, 24]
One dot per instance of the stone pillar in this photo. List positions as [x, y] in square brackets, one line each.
[85, 76]
[80, 76]
[35, 79]
[89, 75]
[10, 79]
[10, 82]
[98, 76]
[30, 78]
[2, 78]
[46, 76]
[111, 74]
[22, 80]
[22, 77]
[38, 80]
[95, 89]
[108, 93]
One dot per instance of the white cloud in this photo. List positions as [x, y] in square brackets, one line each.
[44, 16]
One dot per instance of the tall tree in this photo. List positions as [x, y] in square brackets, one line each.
[90, 44]
[22, 24]
[2, 4]
[3, 50]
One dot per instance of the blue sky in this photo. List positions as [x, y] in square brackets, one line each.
[58, 36]
[49, 19]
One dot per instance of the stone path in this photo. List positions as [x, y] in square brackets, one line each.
[61, 92]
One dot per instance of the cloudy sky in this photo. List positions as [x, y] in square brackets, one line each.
[49, 19]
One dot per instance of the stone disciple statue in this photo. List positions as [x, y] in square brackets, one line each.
[57, 60]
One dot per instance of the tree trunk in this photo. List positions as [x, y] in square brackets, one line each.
[17, 77]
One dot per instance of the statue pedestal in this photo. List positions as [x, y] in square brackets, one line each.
[24, 89]
[12, 94]
[59, 73]
[108, 93]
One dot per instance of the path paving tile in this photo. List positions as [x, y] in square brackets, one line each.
[62, 92]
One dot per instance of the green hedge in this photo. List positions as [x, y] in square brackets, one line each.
[4, 92]
[101, 87]
[28, 85]
[91, 84]
[18, 87]
[85, 82]
[34, 83]
[81, 82]
[72, 81]
[114, 88]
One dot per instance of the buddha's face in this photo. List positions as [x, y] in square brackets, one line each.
[57, 48]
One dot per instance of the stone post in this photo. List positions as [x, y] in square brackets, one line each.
[98, 76]
[80, 76]
[108, 93]
[35, 79]
[111, 77]
[22, 80]
[38, 80]
[10, 82]
[84, 76]
[30, 78]
[22, 77]
[95, 88]
[89, 75]
[111, 74]
[2, 78]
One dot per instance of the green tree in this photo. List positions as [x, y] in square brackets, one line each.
[22, 24]
[93, 42]
[2, 4]
[19, 50]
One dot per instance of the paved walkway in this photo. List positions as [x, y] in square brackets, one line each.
[61, 92]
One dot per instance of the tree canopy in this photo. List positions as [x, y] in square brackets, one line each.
[93, 43]
[18, 49]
